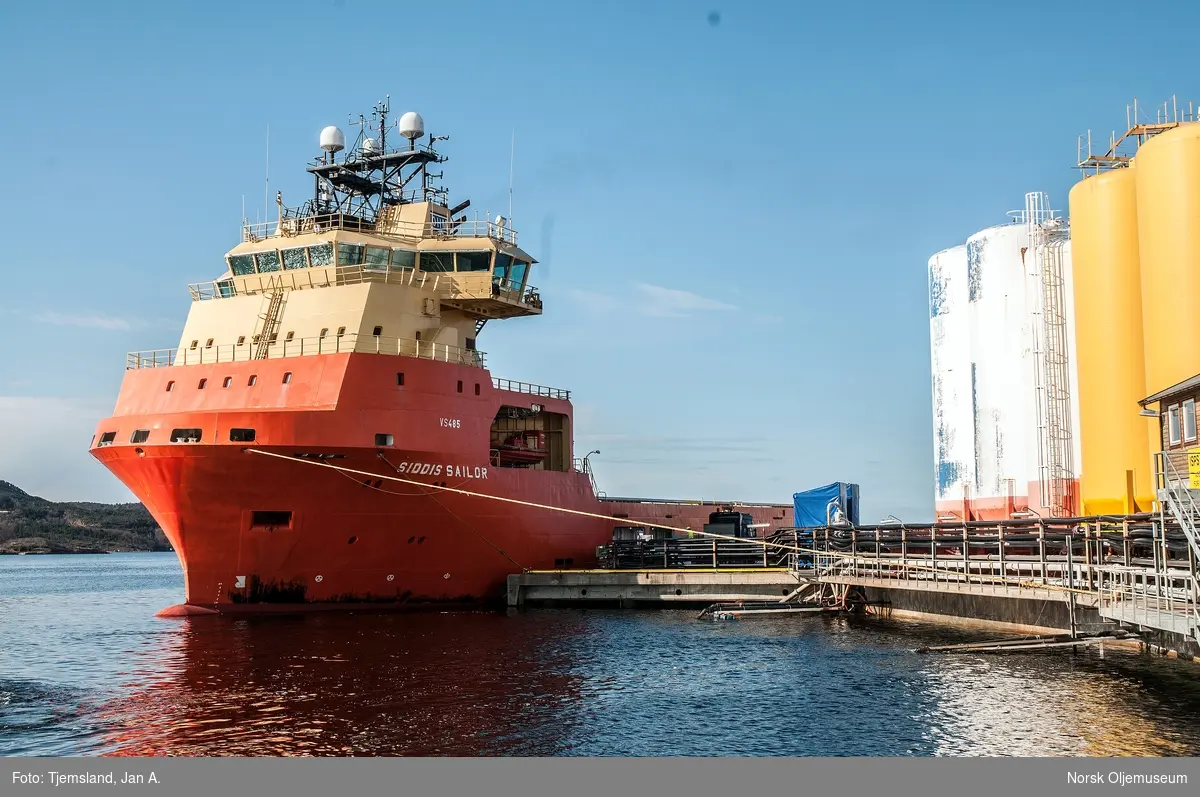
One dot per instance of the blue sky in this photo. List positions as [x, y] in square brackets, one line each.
[734, 218]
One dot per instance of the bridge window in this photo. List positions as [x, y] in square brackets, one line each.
[195, 343]
[437, 261]
[140, 436]
[404, 258]
[208, 344]
[241, 435]
[290, 335]
[503, 262]
[469, 344]
[324, 331]
[474, 261]
[226, 288]
[341, 331]
[376, 258]
[294, 258]
[241, 340]
[268, 261]
[516, 275]
[241, 265]
[1189, 421]
[186, 435]
[350, 254]
[321, 255]
[377, 331]
[107, 438]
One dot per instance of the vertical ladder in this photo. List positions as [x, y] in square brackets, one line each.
[1052, 375]
[268, 320]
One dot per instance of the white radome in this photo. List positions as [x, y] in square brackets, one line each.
[411, 125]
[370, 146]
[332, 139]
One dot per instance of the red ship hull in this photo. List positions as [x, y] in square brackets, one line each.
[256, 532]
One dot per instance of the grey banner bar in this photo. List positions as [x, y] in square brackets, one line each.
[526, 777]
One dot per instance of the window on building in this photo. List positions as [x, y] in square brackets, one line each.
[383, 439]
[267, 261]
[140, 436]
[350, 254]
[228, 381]
[241, 265]
[404, 258]
[321, 255]
[376, 258]
[294, 258]
[1173, 430]
[377, 331]
[474, 261]
[437, 261]
[241, 435]
[1189, 421]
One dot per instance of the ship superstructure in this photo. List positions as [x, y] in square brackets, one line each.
[345, 332]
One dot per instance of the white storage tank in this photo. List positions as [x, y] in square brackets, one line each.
[999, 342]
[950, 354]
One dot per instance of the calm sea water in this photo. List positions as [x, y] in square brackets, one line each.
[85, 668]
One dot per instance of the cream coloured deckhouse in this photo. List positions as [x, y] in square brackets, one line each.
[364, 266]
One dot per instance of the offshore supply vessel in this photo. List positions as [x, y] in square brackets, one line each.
[327, 432]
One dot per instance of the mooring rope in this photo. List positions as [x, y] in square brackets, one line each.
[1003, 579]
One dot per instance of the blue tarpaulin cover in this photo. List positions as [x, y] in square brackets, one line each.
[814, 507]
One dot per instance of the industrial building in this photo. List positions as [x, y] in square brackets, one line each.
[1046, 334]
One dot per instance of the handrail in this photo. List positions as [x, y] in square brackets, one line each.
[300, 347]
[530, 389]
[452, 285]
[298, 224]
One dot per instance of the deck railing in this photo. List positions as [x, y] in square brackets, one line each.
[325, 222]
[300, 347]
[450, 285]
[530, 389]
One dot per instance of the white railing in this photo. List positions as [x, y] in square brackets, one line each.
[325, 222]
[530, 389]
[451, 285]
[300, 347]
[1162, 599]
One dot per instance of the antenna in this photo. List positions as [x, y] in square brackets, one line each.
[512, 155]
[267, 177]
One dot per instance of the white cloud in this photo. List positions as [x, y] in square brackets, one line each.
[91, 321]
[44, 448]
[672, 302]
[654, 300]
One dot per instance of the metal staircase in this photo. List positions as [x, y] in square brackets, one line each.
[1047, 235]
[1176, 495]
[268, 320]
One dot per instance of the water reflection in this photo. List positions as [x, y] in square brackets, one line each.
[425, 684]
[85, 668]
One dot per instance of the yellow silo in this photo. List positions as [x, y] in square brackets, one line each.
[1114, 441]
[1168, 199]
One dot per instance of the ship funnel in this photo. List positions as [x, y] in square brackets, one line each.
[332, 139]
